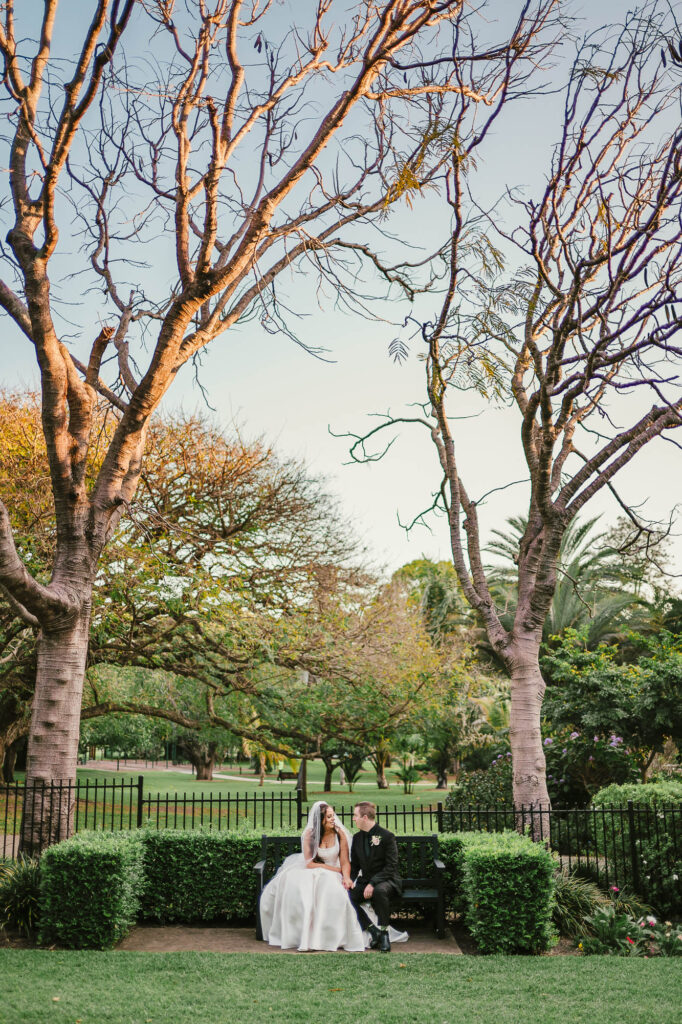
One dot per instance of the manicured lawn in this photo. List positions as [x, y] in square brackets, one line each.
[208, 988]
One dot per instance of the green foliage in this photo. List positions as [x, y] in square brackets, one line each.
[592, 692]
[578, 764]
[574, 899]
[652, 794]
[614, 933]
[487, 788]
[451, 851]
[660, 870]
[199, 875]
[508, 887]
[592, 592]
[408, 775]
[90, 889]
[20, 895]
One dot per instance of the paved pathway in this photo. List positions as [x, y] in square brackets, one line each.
[198, 939]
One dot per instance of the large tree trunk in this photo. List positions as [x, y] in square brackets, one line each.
[527, 692]
[204, 768]
[328, 772]
[380, 760]
[10, 762]
[55, 728]
[302, 780]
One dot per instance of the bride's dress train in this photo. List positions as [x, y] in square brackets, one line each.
[308, 908]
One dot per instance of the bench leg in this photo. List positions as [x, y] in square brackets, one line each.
[440, 918]
[259, 929]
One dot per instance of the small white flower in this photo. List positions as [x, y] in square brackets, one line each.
[375, 840]
[675, 877]
[651, 921]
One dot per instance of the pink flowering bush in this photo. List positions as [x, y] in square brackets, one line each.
[613, 933]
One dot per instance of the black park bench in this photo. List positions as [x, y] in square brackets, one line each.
[422, 872]
[283, 776]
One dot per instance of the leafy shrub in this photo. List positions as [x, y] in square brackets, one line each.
[575, 898]
[451, 852]
[658, 849]
[488, 789]
[661, 871]
[614, 933]
[651, 794]
[579, 764]
[90, 888]
[508, 887]
[200, 875]
[20, 895]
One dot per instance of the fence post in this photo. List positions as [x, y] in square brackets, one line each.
[299, 808]
[439, 816]
[633, 846]
[140, 783]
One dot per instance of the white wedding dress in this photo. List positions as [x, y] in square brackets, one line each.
[308, 908]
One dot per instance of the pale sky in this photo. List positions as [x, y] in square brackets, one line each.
[271, 387]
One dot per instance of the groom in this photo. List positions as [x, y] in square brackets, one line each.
[374, 866]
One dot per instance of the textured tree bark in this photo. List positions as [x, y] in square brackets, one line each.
[9, 761]
[204, 768]
[55, 728]
[9, 739]
[328, 771]
[528, 688]
[381, 759]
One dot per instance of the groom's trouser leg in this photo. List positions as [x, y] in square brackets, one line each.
[357, 898]
[381, 901]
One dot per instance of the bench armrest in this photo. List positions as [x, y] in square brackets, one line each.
[259, 868]
[438, 864]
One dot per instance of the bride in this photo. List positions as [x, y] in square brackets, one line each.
[306, 904]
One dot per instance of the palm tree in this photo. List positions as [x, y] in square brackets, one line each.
[591, 591]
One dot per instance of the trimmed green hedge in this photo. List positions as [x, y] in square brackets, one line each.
[200, 875]
[452, 854]
[508, 886]
[89, 889]
[94, 884]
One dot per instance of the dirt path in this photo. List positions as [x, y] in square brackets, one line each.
[199, 939]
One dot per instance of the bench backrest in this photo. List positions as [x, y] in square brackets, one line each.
[416, 855]
[275, 849]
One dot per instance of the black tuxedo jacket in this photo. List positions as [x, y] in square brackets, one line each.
[378, 859]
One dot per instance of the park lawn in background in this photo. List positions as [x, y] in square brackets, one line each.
[208, 988]
[162, 782]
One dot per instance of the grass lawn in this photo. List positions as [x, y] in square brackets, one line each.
[209, 988]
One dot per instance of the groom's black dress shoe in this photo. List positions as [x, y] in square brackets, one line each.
[376, 933]
[384, 943]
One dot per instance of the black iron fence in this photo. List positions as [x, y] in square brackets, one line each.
[618, 846]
